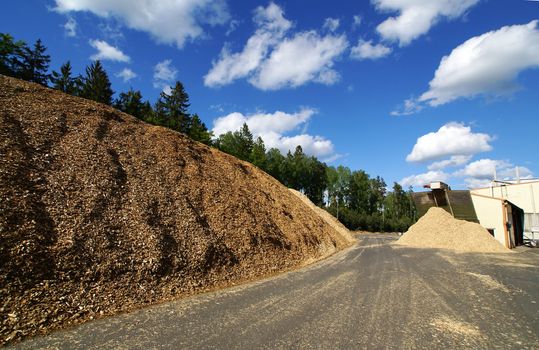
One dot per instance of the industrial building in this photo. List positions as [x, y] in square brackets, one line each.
[520, 200]
[508, 210]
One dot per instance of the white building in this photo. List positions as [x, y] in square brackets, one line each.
[508, 208]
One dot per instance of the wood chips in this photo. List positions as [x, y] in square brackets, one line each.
[439, 229]
[101, 213]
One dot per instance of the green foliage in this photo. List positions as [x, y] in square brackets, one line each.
[96, 85]
[131, 103]
[35, 64]
[238, 143]
[361, 202]
[64, 82]
[11, 56]
[171, 109]
[198, 130]
[258, 153]
[275, 164]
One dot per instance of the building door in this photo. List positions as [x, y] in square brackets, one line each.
[517, 215]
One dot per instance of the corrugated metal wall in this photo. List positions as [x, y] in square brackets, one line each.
[459, 203]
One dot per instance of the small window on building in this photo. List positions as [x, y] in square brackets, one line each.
[491, 231]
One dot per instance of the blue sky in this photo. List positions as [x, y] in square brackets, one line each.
[411, 90]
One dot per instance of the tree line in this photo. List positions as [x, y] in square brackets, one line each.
[357, 200]
[170, 110]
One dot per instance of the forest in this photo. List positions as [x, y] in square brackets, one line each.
[359, 201]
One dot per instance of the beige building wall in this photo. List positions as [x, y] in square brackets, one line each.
[490, 214]
[523, 195]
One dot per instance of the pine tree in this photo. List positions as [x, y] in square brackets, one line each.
[36, 64]
[131, 103]
[245, 138]
[63, 81]
[172, 109]
[11, 56]
[258, 153]
[96, 85]
[198, 130]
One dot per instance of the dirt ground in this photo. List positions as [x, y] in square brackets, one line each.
[375, 295]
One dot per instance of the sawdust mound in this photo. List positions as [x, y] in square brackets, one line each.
[345, 236]
[102, 213]
[439, 229]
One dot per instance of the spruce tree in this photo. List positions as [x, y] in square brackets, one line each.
[63, 80]
[172, 109]
[36, 64]
[96, 85]
[131, 103]
[258, 153]
[11, 56]
[198, 130]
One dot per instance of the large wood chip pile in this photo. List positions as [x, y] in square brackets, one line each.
[439, 229]
[101, 213]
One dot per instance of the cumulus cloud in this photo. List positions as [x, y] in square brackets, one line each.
[164, 74]
[105, 51]
[485, 65]
[70, 27]
[275, 129]
[271, 60]
[231, 66]
[167, 21]
[416, 17]
[366, 50]
[126, 74]
[452, 139]
[452, 162]
[480, 172]
[305, 57]
[420, 180]
[331, 24]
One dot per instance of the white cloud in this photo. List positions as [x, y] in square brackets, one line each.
[275, 129]
[126, 74]
[357, 19]
[270, 60]
[168, 21]
[410, 107]
[416, 17]
[483, 168]
[231, 66]
[107, 52]
[366, 50]
[232, 26]
[424, 179]
[70, 27]
[485, 65]
[452, 139]
[294, 62]
[164, 74]
[331, 24]
[480, 172]
[453, 161]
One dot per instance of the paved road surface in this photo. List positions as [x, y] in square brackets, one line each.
[373, 295]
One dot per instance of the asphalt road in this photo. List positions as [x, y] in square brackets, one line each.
[373, 295]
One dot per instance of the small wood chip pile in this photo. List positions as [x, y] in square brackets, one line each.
[101, 213]
[439, 229]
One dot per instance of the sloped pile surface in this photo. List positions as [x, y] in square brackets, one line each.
[345, 236]
[439, 229]
[101, 213]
